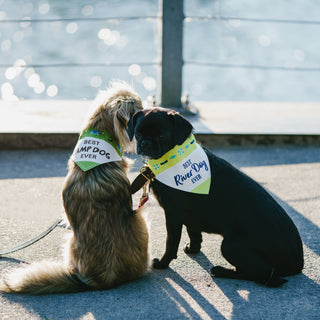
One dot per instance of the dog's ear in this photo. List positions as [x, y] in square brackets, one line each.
[132, 124]
[125, 110]
[182, 128]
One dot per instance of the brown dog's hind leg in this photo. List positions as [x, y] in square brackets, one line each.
[249, 265]
[195, 242]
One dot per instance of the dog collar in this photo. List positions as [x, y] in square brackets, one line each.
[95, 148]
[185, 167]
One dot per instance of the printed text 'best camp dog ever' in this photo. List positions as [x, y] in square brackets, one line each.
[185, 167]
[95, 148]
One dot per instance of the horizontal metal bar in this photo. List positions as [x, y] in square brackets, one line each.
[80, 19]
[190, 62]
[248, 66]
[187, 18]
[86, 65]
[222, 18]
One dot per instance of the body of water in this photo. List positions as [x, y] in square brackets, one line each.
[246, 50]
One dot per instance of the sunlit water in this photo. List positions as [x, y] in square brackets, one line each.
[94, 52]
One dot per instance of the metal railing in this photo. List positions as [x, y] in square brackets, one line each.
[171, 19]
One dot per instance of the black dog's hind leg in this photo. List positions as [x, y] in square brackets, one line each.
[172, 244]
[195, 242]
[249, 265]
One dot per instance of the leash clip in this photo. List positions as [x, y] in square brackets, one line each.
[146, 172]
[145, 195]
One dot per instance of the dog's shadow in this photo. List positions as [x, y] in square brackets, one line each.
[298, 299]
[169, 294]
[160, 294]
[166, 294]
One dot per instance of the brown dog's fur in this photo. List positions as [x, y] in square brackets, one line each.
[109, 244]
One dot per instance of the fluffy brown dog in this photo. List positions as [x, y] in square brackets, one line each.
[109, 244]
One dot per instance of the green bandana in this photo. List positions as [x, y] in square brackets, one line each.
[95, 148]
[185, 167]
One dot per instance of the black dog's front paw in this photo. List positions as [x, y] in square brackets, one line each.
[190, 249]
[159, 264]
[221, 272]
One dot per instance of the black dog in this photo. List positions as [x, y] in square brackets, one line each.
[260, 239]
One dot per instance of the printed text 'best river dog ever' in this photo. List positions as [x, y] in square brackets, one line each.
[193, 169]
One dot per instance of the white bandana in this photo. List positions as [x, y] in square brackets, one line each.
[95, 148]
[185, 167]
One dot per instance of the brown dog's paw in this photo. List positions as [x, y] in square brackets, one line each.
[189, 249]
[159, 264]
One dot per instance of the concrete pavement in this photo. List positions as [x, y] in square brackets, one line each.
[38, 124]
[30, 193]
[67, 116]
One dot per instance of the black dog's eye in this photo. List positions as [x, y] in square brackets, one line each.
[162, 137]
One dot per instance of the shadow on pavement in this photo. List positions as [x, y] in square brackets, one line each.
[297, 299]
[153, 297]
[309, 232]
[166, 294]
[53, 163]
[41, 164]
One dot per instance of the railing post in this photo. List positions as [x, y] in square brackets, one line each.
[171, 52]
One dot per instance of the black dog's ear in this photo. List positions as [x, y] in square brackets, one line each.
[132, 124]
[182, 128]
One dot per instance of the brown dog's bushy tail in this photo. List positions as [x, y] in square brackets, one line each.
[41, 278]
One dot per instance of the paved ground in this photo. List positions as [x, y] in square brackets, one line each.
[46, 124]
[30, 187]
[67, 116]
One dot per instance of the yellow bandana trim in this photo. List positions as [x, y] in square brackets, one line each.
[173, 156]
[185, 167]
